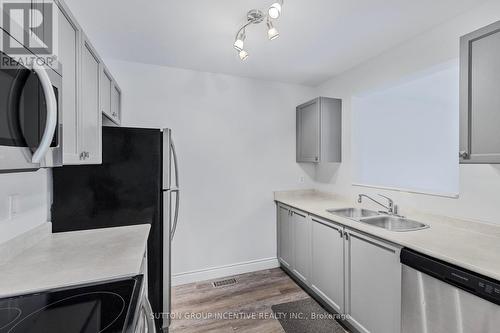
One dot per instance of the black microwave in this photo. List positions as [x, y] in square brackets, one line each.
[30, 113]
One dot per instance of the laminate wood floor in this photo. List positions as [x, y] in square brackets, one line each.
[244, 307]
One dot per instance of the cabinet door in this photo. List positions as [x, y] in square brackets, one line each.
[69, 57]
[301, 246]
[327, 271]
[116, 103]
[106, 86]
[90, 112]
[373, 284]
[308, 132]
[285, 244]
[479, 96]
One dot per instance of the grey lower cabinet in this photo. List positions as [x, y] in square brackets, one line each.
[294, 241]
[285, 241]
[301, 245]
[372, 284]
[479, 96]
[354, 273]
[327, 264]
[319, 131]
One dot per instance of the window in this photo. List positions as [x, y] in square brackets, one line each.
[406, 137]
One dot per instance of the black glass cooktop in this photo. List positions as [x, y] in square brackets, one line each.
[106, 307]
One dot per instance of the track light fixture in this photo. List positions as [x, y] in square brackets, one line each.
[240, 40]
[243, 55]
[256, 16]
[275, 10]
[272, 32]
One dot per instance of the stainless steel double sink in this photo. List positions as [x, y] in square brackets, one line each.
[381, 220]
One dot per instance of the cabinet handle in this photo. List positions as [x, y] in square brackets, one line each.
[346, 235]
[316, 158]
[464, 155]
[341, 234]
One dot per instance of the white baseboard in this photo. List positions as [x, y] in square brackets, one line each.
[224, 271]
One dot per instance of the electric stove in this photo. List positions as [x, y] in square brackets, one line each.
[105, 307]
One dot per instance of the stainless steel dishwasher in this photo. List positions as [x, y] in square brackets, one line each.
[438, 297]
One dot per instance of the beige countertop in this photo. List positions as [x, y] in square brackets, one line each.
[73, 258]
[471, 245]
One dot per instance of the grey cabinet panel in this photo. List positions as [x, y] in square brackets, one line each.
[301, 246]
[331, 130]
[285, 242]
[319, 131]
[373, 284]
[327, 271]
[479, 97]
[308, 133]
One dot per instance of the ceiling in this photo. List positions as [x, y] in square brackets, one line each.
[319, 38]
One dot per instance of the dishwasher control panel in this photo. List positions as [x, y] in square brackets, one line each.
[479, 285]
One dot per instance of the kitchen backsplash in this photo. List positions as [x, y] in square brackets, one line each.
[24, 202]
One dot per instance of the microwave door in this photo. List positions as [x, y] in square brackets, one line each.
[19, 118]
[30, 122]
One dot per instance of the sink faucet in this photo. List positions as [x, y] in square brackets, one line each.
[392, 209]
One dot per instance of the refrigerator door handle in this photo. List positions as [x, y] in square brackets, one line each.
[176, 166]
[176, 215]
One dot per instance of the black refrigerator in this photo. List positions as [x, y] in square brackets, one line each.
[137, 183]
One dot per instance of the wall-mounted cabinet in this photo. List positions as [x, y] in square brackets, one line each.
[68, 55]
[319, 131]
[110, 97]
[479, 96]
[90, 117]
[353, 273]
[85, 79]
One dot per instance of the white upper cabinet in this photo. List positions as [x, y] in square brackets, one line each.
[106, 85]
[90, 118]
[116, 103]
[110, 97]
[68, 55]
[88, 92]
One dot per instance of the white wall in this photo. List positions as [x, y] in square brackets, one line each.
[31, 190]
[235, 139]
[479, 184]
